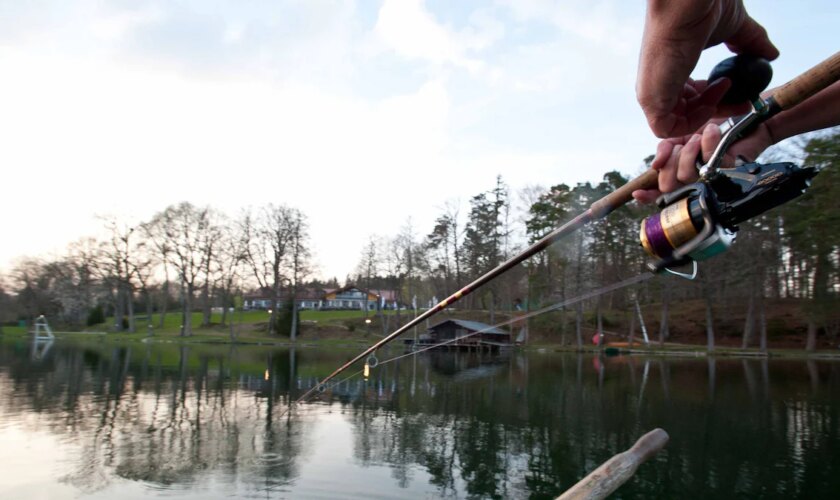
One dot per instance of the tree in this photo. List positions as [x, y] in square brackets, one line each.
[810, 228]
[35, 296]
[369, 263]
[143, 264]
[211, 237]
[269, 240]
[230, 255]
[74, 281]
[8, 309]
[299, 262]
[547, 270]
[179, 232]
[401, 264]
[443, 249]
[485, 236]
[117, 272]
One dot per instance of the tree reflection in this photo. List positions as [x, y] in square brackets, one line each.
[526, 424]
[489, 438]
[146, 415]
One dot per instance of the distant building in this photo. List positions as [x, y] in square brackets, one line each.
[306, 298]
[463, 333]
[347, 298]
[259, 299]
[387, 298]
[351, 297]
[309, 298]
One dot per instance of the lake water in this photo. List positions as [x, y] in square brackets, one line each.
[98, 420]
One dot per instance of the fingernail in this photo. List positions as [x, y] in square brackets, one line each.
[694, 138]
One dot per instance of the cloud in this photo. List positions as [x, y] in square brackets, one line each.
[323, 106]
[407, 28]
[84, 137]
[607, 24]
[113, 26]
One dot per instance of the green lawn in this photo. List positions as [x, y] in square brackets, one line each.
[15, 329]
[246, 324]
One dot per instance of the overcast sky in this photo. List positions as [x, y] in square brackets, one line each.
[361, 114]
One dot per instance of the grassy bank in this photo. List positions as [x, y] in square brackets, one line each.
[555, 330]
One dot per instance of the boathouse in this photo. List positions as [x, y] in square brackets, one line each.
[463, 334]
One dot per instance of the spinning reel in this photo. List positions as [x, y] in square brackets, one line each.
[700, 220]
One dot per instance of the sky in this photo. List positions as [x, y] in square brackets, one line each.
[361, 114]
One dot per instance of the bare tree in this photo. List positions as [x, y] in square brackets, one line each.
[117, 272]
[229, 258]
[209, 247]
[180, 231]
[76, 287]
[8, 309]
[143, 263]
[299, 261]
[32, 285]
[270, 239]
[369, 262]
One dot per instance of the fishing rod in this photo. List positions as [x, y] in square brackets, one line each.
[699, 220]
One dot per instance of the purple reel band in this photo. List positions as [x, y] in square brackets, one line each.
[656, 236]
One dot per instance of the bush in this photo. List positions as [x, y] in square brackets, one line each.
[96, 316]
[284, 320]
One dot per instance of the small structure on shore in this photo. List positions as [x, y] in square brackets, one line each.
[42, 329]
[464, 334]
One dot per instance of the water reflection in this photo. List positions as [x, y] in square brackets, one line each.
[209, 421]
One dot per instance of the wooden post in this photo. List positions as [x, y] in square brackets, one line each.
[616, 471]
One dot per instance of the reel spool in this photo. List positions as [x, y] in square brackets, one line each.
[699, 221]
[684, 230]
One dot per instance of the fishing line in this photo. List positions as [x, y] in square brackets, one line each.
[600, 291]
[588, 295]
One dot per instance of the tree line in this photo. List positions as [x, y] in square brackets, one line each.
[791, 254]
[196, 257]
[186, 256]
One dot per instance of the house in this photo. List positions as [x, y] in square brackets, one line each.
[459, 333]
[259, 299]
[306, 298]
[387, 299]
[350, 297]
[309, 298]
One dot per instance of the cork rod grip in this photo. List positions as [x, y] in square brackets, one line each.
[624, 194]
[809, 83]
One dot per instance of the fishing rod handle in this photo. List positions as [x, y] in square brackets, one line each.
[809, 83]
[624, 194]
[604, 480]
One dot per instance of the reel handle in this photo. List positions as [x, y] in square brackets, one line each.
[809, 83]
[749, 75]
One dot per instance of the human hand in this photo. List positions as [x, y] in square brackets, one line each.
[676, 158]
[676, 31]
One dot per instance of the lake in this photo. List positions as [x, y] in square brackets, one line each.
[98, 420]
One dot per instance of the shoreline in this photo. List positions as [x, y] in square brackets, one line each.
[668, 350]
